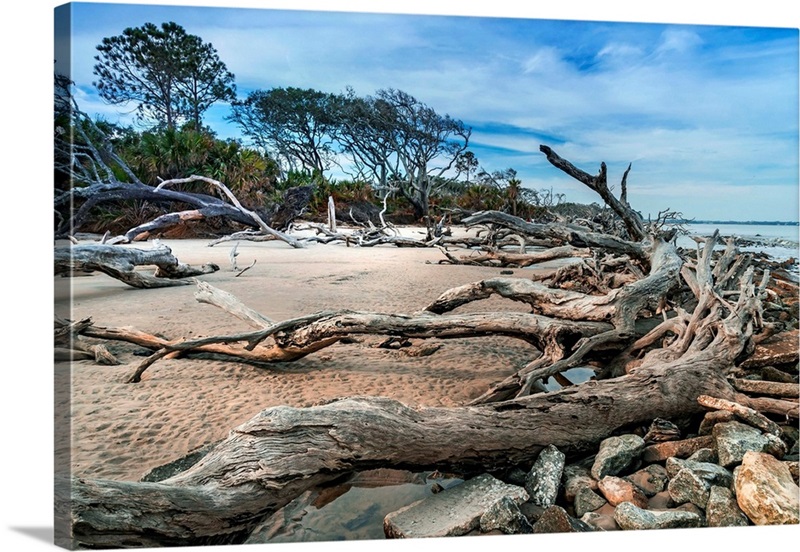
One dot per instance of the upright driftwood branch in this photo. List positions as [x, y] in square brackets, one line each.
[599, 184]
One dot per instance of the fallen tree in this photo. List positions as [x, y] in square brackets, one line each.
[657, 370]
[121, 262]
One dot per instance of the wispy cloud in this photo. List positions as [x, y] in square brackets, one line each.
[694, 107]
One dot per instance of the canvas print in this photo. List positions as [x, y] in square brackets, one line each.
[327, 276]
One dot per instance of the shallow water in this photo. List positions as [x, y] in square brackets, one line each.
[348, 511]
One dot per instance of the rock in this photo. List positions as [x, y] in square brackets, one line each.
[617, 490]
[587, 501]
[662, 430]
[575, 478]
[556, 520]
[722, 509]
[617, 454]
[713, 418]
[765, 490]
[544, 478]
[630, 517]
[660, 501]
[676, 449]
[778, 349]
[505, 516]
[693, 482]
[733, 439]
[704, 455]
[454, 511]
[651, 480]
[600, 522]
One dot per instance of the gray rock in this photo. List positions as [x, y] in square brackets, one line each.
[713, 473]
[544, 478]
[575, 478]
[765, 490]
[617, 490]
[600, 522]
[733, 439]
[722, 509]
[454, 511]
[694, 481]
[556, 520]
[587, 500]
[651, 479]
[630, 517]
[704, 455]
[505, 516]
[617, 454]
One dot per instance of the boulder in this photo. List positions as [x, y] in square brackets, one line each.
[617, 454]
[733, 439]
[765, 490]
[692, 481]
[505, 516]
[617, 490]
[544, 478]
[704, 455]
[556, 520]
[454, 511]
[587, 501]
[631, 517]
[722, 509]
[651, 480]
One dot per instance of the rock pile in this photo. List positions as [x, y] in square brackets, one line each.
[729, 474]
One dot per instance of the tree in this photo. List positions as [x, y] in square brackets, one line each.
[171, 75]
[292, 124]
[427, 146]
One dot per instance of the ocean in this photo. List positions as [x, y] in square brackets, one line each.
[778, 241]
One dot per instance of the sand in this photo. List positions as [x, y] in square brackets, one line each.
[120, 431]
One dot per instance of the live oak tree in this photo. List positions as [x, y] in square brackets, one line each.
[171, 75]
[427, 146]
[292, 124]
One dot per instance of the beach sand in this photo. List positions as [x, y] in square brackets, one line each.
[120, 431]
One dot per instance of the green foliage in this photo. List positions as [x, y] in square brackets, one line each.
[163, 154]
[171, 75]
[293, 124]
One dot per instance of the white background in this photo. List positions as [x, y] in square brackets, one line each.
[25, 199]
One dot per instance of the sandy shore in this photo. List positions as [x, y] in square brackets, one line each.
[120, 431]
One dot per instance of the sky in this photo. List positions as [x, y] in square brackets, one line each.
[707, 114]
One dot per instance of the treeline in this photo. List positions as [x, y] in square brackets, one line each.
[392, 146]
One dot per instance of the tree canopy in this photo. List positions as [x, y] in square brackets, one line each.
[171, 75]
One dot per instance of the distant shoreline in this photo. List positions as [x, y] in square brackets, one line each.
[743, 222]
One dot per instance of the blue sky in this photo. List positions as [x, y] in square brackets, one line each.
[707, 114]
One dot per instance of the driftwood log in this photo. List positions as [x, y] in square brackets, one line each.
[121, 262]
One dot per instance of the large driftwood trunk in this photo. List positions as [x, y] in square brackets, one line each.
[121, 262]
[274, 457]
